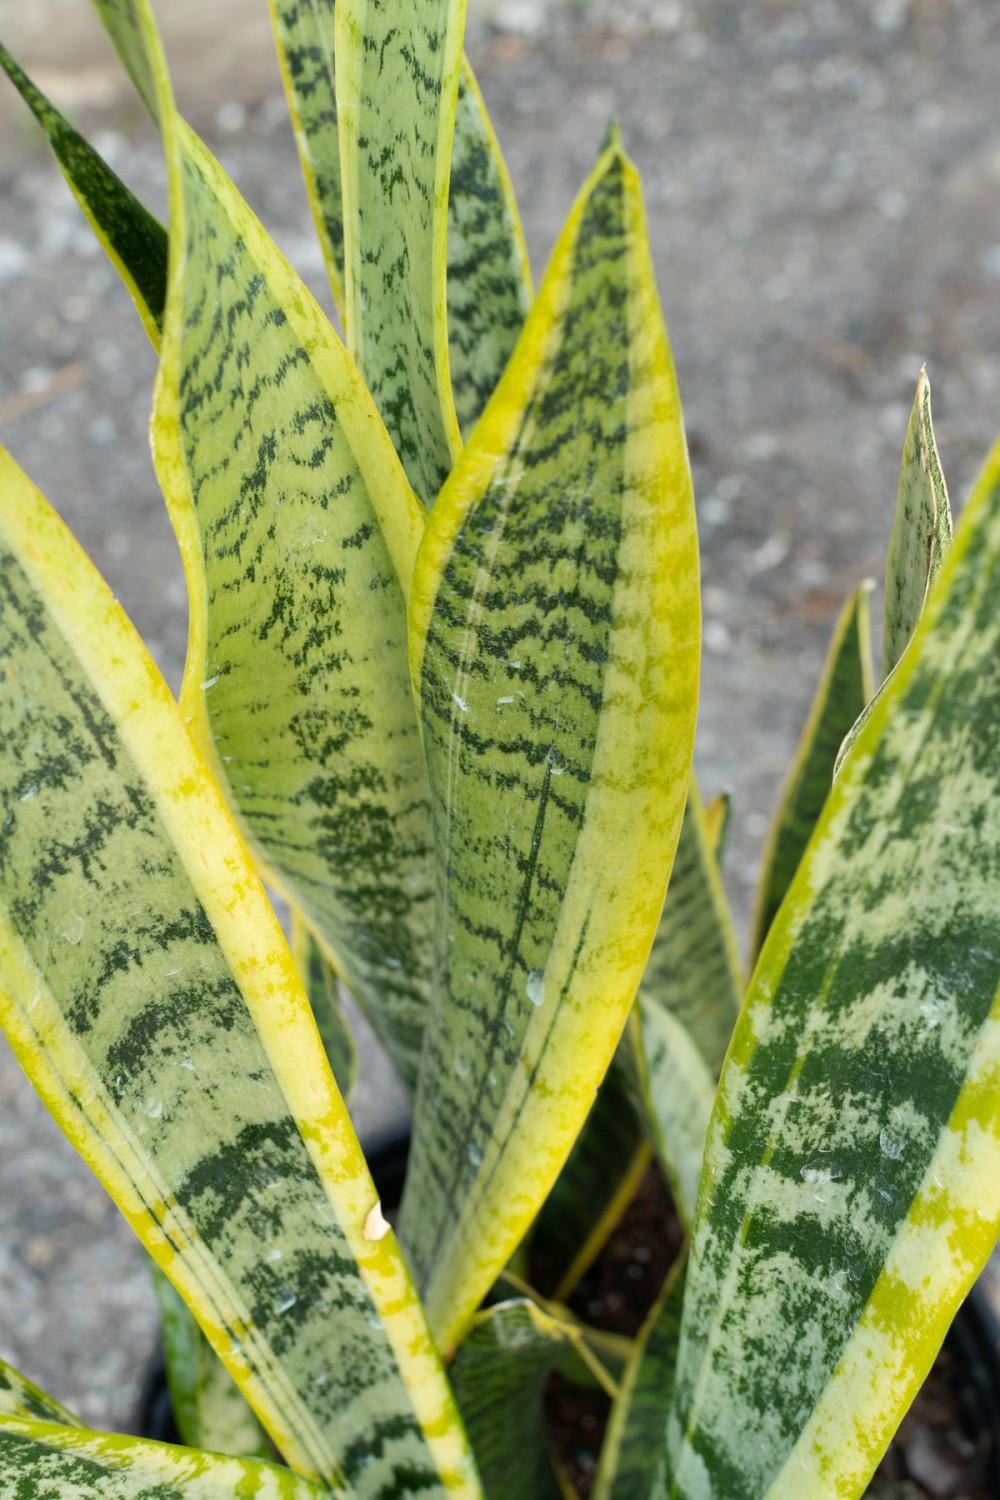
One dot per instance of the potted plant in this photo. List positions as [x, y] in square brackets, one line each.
[440, 694]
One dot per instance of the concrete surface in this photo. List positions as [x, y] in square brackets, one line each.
[823, 182]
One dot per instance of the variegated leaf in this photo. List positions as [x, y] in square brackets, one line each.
[208, 1408]
[554, 632]
[148, 993]
[499, 1374]
[298, 533]
[845, 687]
[397, 72]
[852, 1178]
[633, 1462]
[488, 277]
[303, 32]
[41, 1461]
[322, 987]
[20, 1397]
[608, 1161]
[134, 241]
[921, 530]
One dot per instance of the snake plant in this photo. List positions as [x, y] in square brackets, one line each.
[440, 695]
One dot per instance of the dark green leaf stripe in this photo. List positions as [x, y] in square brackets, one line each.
[593, 1190]
[489, 280]
[303, 31]
[554, 631]
[320, 980]
[298, 533]
[397, 85]
[208, 1408]
[39, 1461]
[694, 970]
[149, 995]
[499, 1375]
[845, 687]
[852, 1176]
[633, 1463]
[921, 531]
[19, 1397]
[134, 241]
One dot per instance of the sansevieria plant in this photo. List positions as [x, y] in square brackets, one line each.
[440, 695]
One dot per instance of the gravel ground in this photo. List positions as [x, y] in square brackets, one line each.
[822, 181]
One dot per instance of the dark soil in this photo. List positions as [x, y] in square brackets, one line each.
[939, 1453]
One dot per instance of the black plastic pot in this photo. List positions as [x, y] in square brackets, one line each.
[387, 1164]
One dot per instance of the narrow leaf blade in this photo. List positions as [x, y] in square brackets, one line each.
[921, 529]
[717, 816]
[20, 1397]
[489, 279]
[852, 1180]
[303, 33]
[694, 971]
[593, 1190]
[397, 83]
[678, 1091]
[845, 687]
[554, 629]
[148, 994]
[135, 242]
[633, 1462]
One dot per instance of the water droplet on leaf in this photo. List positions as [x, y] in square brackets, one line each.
[536, 987]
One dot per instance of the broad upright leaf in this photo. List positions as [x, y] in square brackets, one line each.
[845, 687]
[602, 1172]
[41, 1461]
[489, 279]
[852, 1176]
[148, 994]
[298, 533]
[20, 1397]
[320, 980]
[921, 530]
[554, 632]
[633, 1462]
[135, 242]
[499, 1374]
[694, 970]
[397, 85]
[208, 1408]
